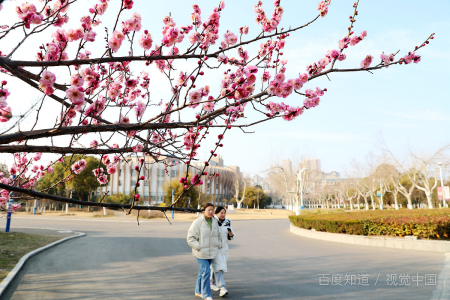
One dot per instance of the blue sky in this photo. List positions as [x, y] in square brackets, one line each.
[407, 105]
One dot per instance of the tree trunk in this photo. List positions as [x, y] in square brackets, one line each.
[89, 200]
[396, 201]
[408, 199]
[373, 202]
[366, 203]
[429, 200]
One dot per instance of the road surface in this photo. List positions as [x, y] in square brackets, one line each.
[120, 260]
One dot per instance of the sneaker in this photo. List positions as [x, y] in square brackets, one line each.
[214, 287]
[209, 298]
[198, 295]
[223, 291]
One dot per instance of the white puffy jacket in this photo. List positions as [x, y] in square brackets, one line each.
[204, 240]
[220, 262]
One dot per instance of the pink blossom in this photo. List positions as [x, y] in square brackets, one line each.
[189, 138]
[304, 77]
[5, 114]
[297, 83]
[4, 94]
[48, 78]
[37, 156]
[106, 160]
[140, 109]
[76, 80]
[363, 34]
[365, 63]
[111, 169]
[195, 97]
[93, 144]
[342, 57]
[138, 148]
[145, 41]
[333, 53]
[243, 30]
[208, 106]
[97, 172]
[114, 44]
[73, 34]
[79, 166]
[323, 62]
[50, 170]
[75, 95]
[13, 170]
[279, 78]
[89, 36]
[103, 179]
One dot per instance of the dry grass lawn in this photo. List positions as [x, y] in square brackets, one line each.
[16, 244]
[241, 214]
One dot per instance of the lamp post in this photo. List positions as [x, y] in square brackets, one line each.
[173, 199]
[67, 204]
[297, 212]
[381, 193]
[442, 185]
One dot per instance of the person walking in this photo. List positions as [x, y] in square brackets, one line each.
[203, 238]
[219, 264]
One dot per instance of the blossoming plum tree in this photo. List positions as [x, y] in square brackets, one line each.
[107, 99]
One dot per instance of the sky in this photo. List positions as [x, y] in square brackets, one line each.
[407, 106]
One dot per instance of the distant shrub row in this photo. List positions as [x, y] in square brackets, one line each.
[426, 224]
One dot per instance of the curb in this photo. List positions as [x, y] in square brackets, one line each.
[375, 241]
[11, 275]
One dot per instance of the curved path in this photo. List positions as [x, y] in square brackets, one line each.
[121, 260]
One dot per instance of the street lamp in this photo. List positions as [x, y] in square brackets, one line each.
[442, 185]
[381, 193]
[301, 190]
[173, 199]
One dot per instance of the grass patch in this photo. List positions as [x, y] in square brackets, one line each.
[423, 223]
[15, 245]
[102, 216]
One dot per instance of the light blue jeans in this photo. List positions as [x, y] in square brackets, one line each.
[203, 286]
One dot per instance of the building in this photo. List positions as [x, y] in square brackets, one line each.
[156, 174]
[287, 165]
[313, 166]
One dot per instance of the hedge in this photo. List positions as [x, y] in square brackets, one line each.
[429, 224]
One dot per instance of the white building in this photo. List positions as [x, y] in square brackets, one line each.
[156, 174]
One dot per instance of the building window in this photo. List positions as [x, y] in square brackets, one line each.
[147, 173]
[133, 183]
[160, 173]
[174, 173]
[120, 182]
[146, 182]
[160, 182]
[120, 172]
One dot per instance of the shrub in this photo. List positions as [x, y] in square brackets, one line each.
[430, 224]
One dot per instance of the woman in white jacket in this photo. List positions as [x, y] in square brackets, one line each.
[203, 237]
[219, 264]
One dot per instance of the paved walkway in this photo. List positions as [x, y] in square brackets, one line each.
[120, 260]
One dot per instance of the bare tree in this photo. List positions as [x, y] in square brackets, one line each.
[237, 181]
[419, 169]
